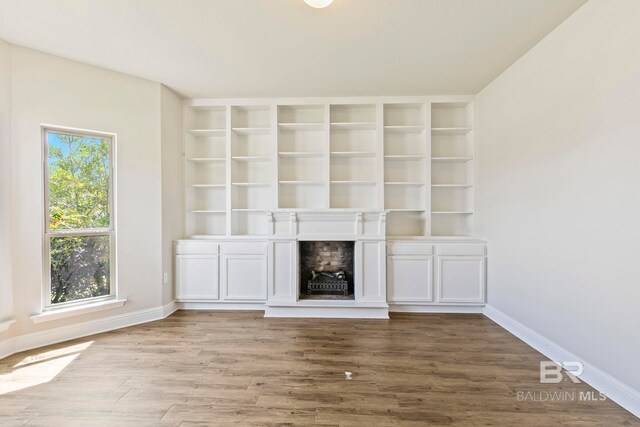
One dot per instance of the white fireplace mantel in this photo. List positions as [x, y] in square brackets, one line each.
[365, 228]
[327, 225]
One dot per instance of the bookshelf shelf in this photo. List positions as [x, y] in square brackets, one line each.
[404, 157]
[206, 160]
[405, 129]
[251, 158]
[300, 154]
[413, 183]
[307, 127]
[252, 131]
[451, 159]
[353, 154]
[207, 132]
[451, 131]
[353, 126]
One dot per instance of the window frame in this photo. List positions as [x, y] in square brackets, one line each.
[49, 233]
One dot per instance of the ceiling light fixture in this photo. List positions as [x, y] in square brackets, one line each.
[318, 4]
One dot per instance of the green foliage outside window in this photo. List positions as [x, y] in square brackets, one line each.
[79, 176]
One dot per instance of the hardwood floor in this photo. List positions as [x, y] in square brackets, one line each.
[216, 368]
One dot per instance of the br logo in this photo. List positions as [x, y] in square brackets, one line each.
[551, 372]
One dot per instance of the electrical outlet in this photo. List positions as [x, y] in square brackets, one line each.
[165, 278]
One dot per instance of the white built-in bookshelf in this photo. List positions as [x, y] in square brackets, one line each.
[412, 157]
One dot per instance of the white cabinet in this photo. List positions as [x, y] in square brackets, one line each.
[197, 277]
[244, 277]
[458, 273]
[461, 274]
[222, 272]
[409, 278]
[410, 272]
[461, 279]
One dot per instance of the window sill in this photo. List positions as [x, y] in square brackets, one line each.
[62, 313]
[4, 325]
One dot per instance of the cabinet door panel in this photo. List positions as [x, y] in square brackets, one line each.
[461, 279]
[409, 278]
[245, 277]
[197, 277]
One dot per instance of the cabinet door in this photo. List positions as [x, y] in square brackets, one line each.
[197, 277]
[244, 277]
[461, 279]
[409, 278]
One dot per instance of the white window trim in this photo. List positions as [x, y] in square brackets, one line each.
[72, 308]
[64, 312]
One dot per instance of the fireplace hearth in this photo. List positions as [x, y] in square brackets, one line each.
[326, 269]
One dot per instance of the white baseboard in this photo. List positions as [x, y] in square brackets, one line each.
[615, 389]
[169, 309]
[7, 348]
[217, 305]
[416, 308]
[327, 312]
[65, 333]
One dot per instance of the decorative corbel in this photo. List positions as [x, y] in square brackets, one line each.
[359, 224]
[293, 223]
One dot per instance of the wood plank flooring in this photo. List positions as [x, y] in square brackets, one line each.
[218, 368]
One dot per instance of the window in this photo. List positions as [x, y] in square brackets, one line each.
[79, 217]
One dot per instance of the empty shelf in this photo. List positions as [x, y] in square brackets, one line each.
[404, 129]
[450, 131]
[252, 131]
[206, 159]
[404, 157]
[301, 126]
[300, 154]
[451, 159]
[353, 125]
[207, 132]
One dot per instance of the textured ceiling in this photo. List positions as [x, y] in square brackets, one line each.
[256, 48]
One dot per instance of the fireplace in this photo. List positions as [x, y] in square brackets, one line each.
[326, 269]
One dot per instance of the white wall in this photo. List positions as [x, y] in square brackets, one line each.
[52, 90]
[172, 183]
[559, 187]
[6, 297]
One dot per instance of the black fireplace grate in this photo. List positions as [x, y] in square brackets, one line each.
[324, 285]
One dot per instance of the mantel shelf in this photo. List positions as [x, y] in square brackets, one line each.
[406, 210]
[248, 210]
[207, 132]
[451, 131]
[252, 131]
[208, 211]
[451, 159]
[206, 236]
